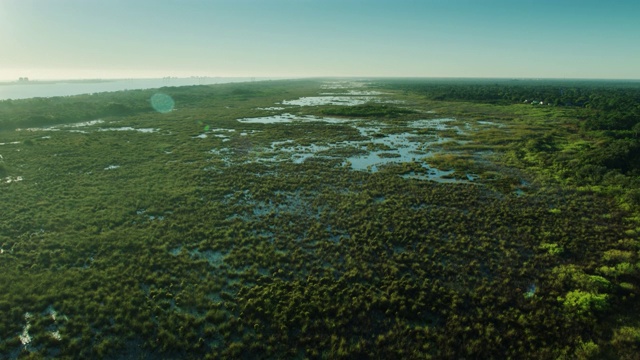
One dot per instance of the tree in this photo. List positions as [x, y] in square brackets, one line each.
[581, 302]
[636, 129]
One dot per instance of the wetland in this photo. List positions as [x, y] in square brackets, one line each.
[323, 218]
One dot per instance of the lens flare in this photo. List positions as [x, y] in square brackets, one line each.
[162, 103]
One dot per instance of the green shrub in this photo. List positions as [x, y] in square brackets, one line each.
[582, 302]
[552, 248]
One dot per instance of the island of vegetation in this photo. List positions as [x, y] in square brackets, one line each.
[323, 218]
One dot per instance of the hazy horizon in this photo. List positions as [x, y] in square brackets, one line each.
[73, 39]
[260, 78]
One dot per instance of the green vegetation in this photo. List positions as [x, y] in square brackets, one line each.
[189, 234]
[367, 110]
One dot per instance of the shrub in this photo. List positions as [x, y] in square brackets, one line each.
[582, 302]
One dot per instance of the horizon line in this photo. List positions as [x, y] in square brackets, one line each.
[37, 80]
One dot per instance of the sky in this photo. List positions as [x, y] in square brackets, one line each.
[88, 39]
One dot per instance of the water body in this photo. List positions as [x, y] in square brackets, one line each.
[84, 124]
[16, 90]
[329, 100]
[368, 155]
[287, 118]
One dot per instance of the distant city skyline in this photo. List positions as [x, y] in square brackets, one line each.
[90, 39]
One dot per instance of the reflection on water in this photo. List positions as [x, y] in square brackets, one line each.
[392, 148]
[287, 118]
[129, 128]
[345, 100]
[438, 125]
[82, 124]
[329, 100]
[377, 150]
[337, 85]
[74, 128]
[272, 108]
[490, 123]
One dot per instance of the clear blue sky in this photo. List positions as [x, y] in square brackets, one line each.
[291, 38]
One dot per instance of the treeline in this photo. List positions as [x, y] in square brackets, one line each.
[40, 112]
[60, 110]
[615, 105]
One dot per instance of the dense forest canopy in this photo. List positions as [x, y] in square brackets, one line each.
[615, 104]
